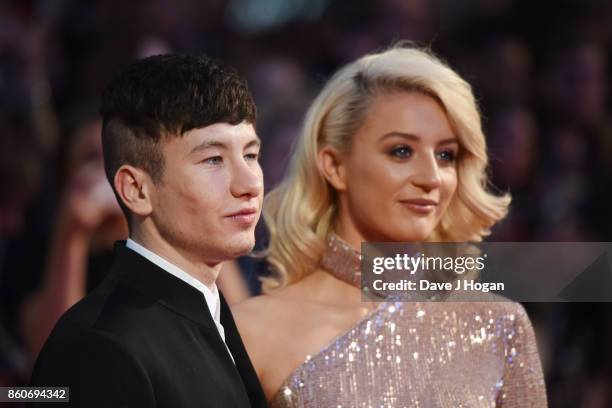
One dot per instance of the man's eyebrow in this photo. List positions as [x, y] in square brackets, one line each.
[207, 145]
[414, 137]
[217, 143]
[254, 142]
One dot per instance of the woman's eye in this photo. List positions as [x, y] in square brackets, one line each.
[401, 152]
[252, 156]
[447, 156]
[214, 160]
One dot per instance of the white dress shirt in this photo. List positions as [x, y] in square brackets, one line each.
[211, 296]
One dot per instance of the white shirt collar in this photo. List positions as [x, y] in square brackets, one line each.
[212, 296]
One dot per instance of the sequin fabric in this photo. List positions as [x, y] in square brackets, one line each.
[421, 354]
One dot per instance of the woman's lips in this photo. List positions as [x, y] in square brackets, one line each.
[420, 205]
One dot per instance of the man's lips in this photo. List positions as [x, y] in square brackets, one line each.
[244, 217]
[244, 211]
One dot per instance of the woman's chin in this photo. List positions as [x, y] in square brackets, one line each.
[418, 235]
[400, 233]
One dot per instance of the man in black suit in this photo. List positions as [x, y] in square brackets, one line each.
[181, 154]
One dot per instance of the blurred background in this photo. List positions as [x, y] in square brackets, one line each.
[540, 71]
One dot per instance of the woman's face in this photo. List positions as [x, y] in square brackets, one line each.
[400, 174]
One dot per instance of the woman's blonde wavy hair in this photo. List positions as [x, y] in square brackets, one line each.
[300, 212]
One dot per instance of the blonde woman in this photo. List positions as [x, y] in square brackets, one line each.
[391, 150]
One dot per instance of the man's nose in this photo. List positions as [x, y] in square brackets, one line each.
[247, 179]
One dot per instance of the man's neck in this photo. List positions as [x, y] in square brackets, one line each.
[193, 265]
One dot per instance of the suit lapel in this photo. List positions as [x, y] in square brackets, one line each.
[243, 363]
[133, 269]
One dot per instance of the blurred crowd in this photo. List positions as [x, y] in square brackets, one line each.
[540, 71]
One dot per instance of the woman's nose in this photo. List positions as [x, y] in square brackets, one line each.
[427, 173]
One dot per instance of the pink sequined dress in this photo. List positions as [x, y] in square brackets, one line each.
[421, 354]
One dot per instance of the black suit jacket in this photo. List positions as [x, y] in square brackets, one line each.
[145, 338]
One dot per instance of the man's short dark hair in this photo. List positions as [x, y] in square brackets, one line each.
[165, 96]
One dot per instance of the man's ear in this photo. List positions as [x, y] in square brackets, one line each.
[331, 165]
[133, 186]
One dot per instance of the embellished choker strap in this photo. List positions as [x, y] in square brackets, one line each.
[342, 261]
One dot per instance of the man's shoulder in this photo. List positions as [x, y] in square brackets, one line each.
[109, 320]
[114, 310]
[88, 360]
[73, 341]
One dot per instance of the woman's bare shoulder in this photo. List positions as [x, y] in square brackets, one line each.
[251, 305]
[268, 310]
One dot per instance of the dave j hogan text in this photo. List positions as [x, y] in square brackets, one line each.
[424, 284]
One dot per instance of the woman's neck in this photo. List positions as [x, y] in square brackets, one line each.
[323, 288]
[346, 230]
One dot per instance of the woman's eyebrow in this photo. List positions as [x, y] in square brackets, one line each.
[411, 136]
[404, 135]
[452, 140]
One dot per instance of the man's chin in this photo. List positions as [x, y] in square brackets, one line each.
[240, 245]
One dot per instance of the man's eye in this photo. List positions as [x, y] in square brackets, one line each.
[447, 156]
[214, 160]
[401, 152]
